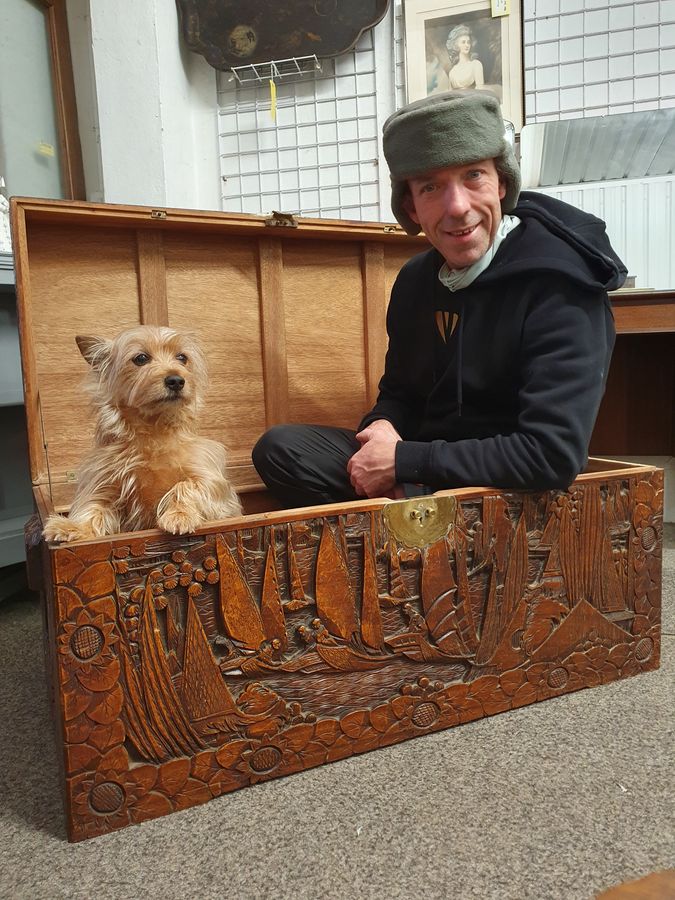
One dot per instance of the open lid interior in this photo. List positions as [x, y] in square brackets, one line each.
[291, 319]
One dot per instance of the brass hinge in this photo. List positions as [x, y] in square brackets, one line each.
[158, 214]
[390, 229]
[281, 220]
[420, 521]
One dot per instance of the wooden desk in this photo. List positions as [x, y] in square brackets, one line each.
[637, 414]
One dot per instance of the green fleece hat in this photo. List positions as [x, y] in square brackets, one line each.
[450, 129]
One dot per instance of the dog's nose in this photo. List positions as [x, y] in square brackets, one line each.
[174, 383]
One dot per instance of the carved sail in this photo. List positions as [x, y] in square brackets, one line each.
[205, 694]
[335, 602]
[608, 593]
[516, 572]
[489, 637]
[371, 617]
[438, 595]
[239, 611]
[164, 707]
[296, 589]
[464, 611]
[397, 586]
[272, 612]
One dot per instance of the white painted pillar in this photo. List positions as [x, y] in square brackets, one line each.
[147, 106]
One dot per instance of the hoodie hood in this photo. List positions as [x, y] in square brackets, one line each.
[558, 238]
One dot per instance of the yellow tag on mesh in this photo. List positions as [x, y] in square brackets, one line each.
[500, 7]
[273, 100]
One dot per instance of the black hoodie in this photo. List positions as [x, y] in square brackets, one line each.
[508, 400]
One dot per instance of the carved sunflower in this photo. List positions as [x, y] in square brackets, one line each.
[102, 799]
[267, 758]
[87, 643]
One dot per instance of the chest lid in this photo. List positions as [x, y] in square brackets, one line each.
[289, 312]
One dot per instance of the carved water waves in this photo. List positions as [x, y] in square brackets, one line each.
[189, 667]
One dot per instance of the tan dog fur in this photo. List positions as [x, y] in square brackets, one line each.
[148, 468]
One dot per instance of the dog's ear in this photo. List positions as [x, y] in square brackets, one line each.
[95, 350]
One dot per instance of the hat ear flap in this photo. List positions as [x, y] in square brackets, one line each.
[401, 204]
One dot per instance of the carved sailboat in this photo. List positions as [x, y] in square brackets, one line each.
[271, 608]
[446, 631]
[397, 588]
[342, 641]
[206, 698]
[587, 562]
[239, 611]
[157, 722]
[295, 587]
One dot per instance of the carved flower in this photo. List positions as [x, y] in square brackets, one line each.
[87, 643]
[102, 799]
[266, 758]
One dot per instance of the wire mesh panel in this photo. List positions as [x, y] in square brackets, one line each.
[597, 58]
[320, 156]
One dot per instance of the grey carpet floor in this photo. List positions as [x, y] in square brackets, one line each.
[558, 800]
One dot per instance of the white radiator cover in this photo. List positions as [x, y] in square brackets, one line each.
[640, 217]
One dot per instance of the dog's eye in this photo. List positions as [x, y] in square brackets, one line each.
[140, 359]
[182, 358]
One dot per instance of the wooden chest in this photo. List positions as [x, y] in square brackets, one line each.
[182, 668]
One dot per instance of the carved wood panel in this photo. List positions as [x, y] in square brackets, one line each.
[190, 667]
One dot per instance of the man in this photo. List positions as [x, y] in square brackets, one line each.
[500, 336]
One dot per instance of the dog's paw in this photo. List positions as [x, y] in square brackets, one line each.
[178, 521]
[62, 529]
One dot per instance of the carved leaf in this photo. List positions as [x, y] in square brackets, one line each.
[105, 606]
[230, 753]
[66, 566]
[314, 754]
[91, 553]
[381, 717]
[78, 732]
[144, 776]
[97, 580]
[299, 736]
[79, 756]
[511, 681]
[106, 709]
[150, 807]
[116, 759]
[104, 736]
[173, 775]
[223, 782]
[401, 706]
[69, 604]
[327, 731]
[101, 678]
[353, 723]
[203, 765]
[74, 704]
[193, 793]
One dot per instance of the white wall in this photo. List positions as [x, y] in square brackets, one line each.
[157, 131]
[597, 57]
[147, 106]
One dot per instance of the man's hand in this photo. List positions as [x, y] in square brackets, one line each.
[372, 468]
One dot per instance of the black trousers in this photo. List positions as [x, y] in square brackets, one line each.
[306, 465]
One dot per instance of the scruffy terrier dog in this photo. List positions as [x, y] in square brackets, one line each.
[148, 468]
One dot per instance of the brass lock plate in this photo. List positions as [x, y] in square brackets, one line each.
[420, 521]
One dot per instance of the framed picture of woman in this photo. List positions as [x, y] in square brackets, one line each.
[458, 44]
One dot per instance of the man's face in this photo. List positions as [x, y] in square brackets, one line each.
[459, 209]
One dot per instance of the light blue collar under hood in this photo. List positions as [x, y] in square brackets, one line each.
[456, 279]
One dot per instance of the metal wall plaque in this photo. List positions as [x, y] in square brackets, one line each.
[231, 33]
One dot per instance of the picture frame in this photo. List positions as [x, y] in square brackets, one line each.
[495, 55]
